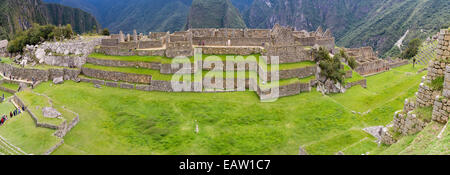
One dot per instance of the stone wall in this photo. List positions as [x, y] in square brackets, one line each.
[441, 106]
[290, 73]
[443, 48]
[38, 74]
[117, 63]
[441, 109]
[3, 48]
[408, 123]
[288, 54]
[181, 43]
[70, 53]
[372, 67]
[397, 63]
[117, 76]
[231, 50]
[285, 90]
[362, 83]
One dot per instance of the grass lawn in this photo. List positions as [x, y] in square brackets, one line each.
[10, 86]
[22, 132]
[156, 75]
[7, 94]
[135, 122]
[355, 77]
[381, 88]
[35, 104]
[118, 121]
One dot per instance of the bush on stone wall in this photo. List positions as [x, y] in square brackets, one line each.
[330, 67]
[438, 83]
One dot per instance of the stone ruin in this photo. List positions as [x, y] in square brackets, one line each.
[406, 121]
[367, 61]
[3, 48]
[280, 41]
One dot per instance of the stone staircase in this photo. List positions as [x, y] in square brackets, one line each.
[426, 53]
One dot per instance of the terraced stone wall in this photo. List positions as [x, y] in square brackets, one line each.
[288, 54]
[38, 74]
[117, 76]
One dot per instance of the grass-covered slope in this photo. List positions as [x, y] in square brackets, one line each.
[138, 122]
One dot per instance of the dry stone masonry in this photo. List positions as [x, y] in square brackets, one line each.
[407, 121]
[368, 62]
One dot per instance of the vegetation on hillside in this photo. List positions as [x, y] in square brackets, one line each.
[16, 16]
[351, 61]
[214, 14]
[331, 67]
[389, 20]
[38, 34]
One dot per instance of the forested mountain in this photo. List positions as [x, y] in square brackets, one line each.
[214, 14]
[354, 23]
[17, 15]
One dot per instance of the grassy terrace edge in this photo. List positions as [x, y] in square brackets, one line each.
[166, 60]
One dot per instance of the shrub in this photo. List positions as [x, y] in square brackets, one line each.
[330, 67]
[352, 63]
[438, 83]
[38, 34]
[105, 32]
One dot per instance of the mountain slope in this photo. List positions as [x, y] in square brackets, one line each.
[214, 14]
[16, 16]
[338, 15]
[387, 23]
[355, 23]
[142, 15]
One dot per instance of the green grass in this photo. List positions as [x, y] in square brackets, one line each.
[135, 122]
[156, 75]
[355, 77]
[10, 86]
[424, 113]
[5, 60]
[35, 104]
[155, 59]
[22, 132]
[138, 122]
[7, 94]
[307, 79]
[381, 88]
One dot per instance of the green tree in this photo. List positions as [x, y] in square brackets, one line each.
[412, 49]
[105, 32]
[331, 68]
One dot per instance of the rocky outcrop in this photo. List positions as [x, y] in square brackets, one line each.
[330, 86]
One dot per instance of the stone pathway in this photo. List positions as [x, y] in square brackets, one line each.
[20, 81]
